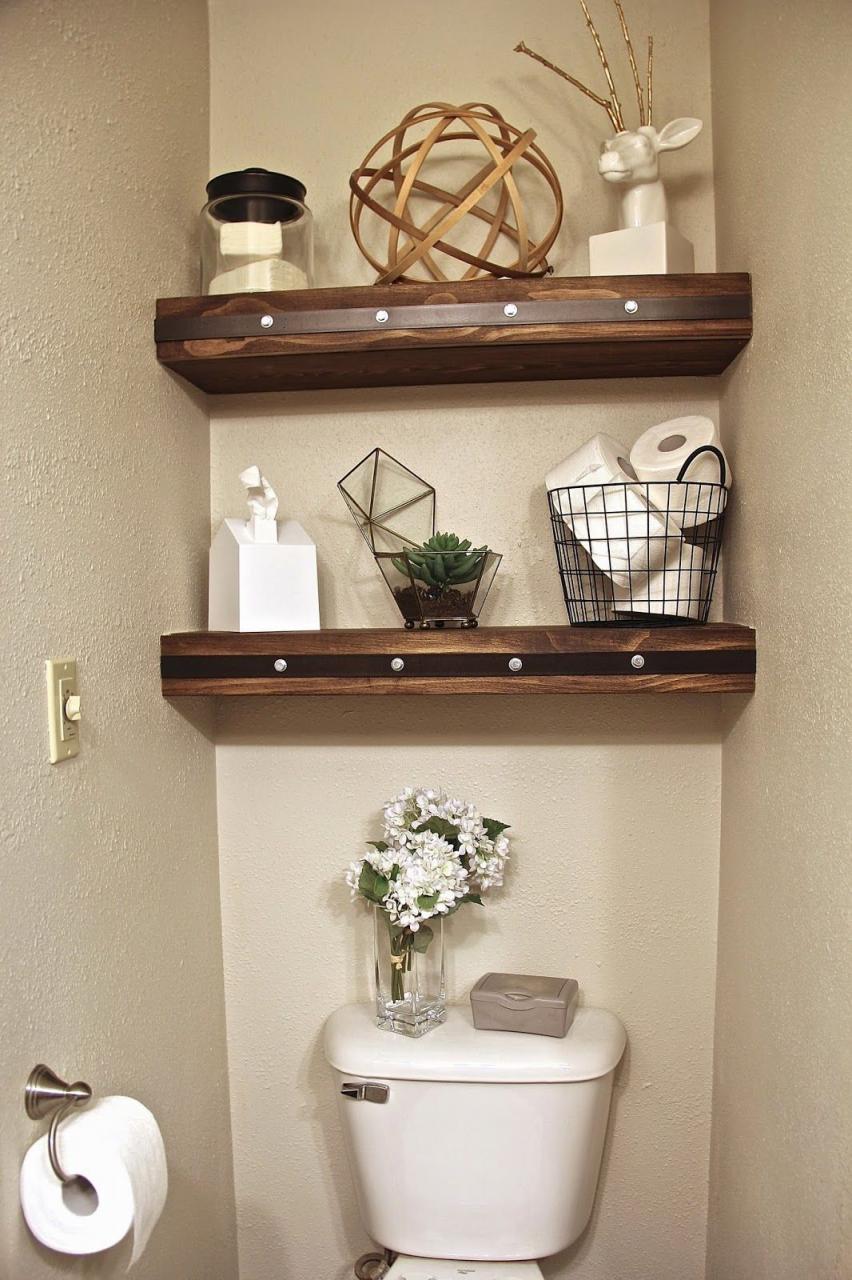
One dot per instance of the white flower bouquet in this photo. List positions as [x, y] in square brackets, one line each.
[437, 854]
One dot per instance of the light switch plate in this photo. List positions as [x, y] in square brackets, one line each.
[64, 733]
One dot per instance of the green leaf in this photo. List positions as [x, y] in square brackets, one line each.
[424, 573]
[372, 885]
[422, 938]
[441, 827]
[493, 828]
[381, 845]
[427, 901]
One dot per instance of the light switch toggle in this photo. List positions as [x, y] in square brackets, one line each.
[63, 709]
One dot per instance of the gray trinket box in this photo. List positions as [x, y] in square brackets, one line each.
[521, 1002]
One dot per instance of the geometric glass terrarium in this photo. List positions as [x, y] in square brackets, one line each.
[436, 580]
[391, 505]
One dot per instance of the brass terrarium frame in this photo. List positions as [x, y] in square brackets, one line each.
[373, 517]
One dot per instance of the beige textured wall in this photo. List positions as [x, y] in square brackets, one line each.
[781, 1187]
[109, 916]
[615, 802]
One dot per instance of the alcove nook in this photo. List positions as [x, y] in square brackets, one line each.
[176, 922]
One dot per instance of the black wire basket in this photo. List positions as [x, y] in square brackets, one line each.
[640, 554]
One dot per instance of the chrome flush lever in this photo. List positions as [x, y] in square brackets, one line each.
[365, 1091]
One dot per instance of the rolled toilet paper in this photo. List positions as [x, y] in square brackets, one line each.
[677, 590]
[659, 454]
[600, 460]
[116, 1145]
[594, 491]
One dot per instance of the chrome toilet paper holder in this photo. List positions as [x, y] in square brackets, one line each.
[45, 1094]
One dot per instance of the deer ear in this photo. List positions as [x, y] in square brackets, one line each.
[677, 133]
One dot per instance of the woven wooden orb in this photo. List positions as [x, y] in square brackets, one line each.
[401, 180]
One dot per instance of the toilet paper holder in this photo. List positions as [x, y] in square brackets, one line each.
[45, 1094]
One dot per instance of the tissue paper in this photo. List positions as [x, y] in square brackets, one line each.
[659, 454]
[610, 516]
[262, 504]
[116, 1146]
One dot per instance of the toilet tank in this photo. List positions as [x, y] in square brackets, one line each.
[487, 1145]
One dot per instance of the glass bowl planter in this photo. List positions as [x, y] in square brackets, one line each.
[427, 595]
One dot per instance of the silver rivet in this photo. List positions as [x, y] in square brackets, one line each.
[515, 664]
[382, 316]
[266, 322]
[510, 309]
[397, 664]
[280, 664]
[631, 306]
[637, 661]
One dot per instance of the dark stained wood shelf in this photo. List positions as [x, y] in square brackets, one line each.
[472, 331]
[716, 658]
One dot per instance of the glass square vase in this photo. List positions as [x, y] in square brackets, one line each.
[411, 994]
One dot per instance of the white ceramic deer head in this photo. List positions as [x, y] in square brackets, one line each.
[632, 160]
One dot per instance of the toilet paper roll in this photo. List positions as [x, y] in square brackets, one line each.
[677, 590]
[659, 454]
[609, 516]
[116, 1146]
[600, 460]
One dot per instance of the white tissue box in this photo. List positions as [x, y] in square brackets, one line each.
[256, 586]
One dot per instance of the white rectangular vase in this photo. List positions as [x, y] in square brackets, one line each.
[658, 249]
[263, 586]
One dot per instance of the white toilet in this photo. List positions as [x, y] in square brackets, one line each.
[473, 1152]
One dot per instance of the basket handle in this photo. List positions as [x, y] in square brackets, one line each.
[705, 448]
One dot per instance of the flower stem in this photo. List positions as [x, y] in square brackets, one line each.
[400, 960]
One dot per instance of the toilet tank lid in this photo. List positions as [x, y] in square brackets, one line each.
[456, 1051]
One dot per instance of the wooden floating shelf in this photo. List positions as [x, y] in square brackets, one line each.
[472, 331]
[692, 659]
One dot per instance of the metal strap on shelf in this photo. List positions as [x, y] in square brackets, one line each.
[462, 315]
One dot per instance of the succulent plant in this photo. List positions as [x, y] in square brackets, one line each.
[442, 562]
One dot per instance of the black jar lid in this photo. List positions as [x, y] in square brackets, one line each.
[256, 182]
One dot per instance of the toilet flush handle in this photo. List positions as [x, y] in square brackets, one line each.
[365, 1091]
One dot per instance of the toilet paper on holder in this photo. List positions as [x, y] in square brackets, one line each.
[116, 1146]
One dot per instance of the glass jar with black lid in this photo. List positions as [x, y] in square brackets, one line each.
[256, 234]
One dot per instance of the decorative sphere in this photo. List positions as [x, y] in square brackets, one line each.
[482, 224]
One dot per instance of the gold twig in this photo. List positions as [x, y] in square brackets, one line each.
[578, 84]
[650, 75]
[626, 33]
[616, 105]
